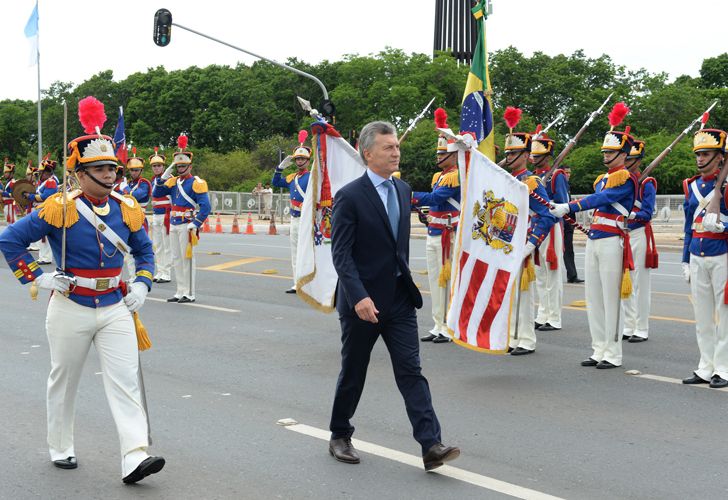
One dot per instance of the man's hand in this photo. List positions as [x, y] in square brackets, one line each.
[559, 209]
[366, 310]
[168, 173]
[530, 247]
[136, 296]
[686, 272]
[286, 161]
[56, 280]
[712, 224]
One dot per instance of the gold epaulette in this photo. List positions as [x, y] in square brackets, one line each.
[171, 181]
[290, 177]
[51, 210]
[131, 211]
[199, 186]
[450, 179]
[533, 181]
[435, 178]
[617, 178]
[597, 181]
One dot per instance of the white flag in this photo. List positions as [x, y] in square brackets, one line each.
[31, 33]
[335, 164]
[489, 251]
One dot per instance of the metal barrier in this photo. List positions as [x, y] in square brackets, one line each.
[262, 205]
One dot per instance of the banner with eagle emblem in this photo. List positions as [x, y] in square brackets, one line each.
[334, 164]
[489, 251]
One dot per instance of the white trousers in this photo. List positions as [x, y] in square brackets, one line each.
[603, 276]
[295, 226]
[45, 253]
[72, 328]
[707, 284]
[525, 337]
[184, 268]
[637, 307]
[550, 283]
[438, 294]
[162, 248]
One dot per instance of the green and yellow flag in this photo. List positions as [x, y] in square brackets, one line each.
[477, 109]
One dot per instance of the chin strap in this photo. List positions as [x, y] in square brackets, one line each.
[445, 157]
[105, 186]
[540, 162]
[509, 163]
[607, 163]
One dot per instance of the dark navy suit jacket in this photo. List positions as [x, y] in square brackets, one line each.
[367, 257]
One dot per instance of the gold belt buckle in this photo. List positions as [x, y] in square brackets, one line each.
[102, 284]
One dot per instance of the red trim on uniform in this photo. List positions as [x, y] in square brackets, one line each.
[179, 208]
[296, 203]
[652, 258]
[94, 201]
[111, 272]
[519, 172]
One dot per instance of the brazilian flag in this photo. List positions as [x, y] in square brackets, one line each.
[477, 111]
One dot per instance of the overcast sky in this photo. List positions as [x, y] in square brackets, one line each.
[80, 38]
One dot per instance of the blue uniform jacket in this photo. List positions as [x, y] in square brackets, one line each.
[558, 187]
[195, 188]
[445, 188]
[644, 205]
[616, 186]
[141, 189]
[541, 218]
[290, 183]
[710, 244]
[84, 255]
[44, 190]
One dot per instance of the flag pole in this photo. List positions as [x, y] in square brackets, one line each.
[40, 125]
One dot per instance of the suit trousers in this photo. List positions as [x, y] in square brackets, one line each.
[603, 274]
[637, 306]
[162, 248]
[184, 268]
[71, 329]
[707, 284]
[438, 294]
[550, 282]
[398, 327]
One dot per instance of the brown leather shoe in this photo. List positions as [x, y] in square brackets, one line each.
[438, 455]
[343, 451]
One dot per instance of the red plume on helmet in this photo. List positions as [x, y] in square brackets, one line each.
[91, 114]
[616, 116]
[302, 136]
[182, 142]
[441, 118]
[512, 116]
[704, 119]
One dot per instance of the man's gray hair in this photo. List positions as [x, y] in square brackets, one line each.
[370, 131]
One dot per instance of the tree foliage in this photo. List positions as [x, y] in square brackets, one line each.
[241, 119]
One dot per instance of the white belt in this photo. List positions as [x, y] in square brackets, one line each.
[698, 226]
[99, 284]
[607, 222]
[161, 203]
[186, 213]
[438, 220]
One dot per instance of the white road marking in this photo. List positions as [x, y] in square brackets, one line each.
[262, 246]
[670, 380]
[203, 306]
[98, 373]
[415, 461]
[187, 396]
[35, 345]
[25, 352]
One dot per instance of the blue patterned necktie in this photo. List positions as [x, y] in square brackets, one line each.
[392, 207]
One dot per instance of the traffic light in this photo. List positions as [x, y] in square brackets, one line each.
[328, 108]
[162, 27]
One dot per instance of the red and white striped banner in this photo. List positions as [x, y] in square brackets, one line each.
[489, 246]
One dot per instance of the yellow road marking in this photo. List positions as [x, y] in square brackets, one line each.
[233, 263]
[659, 318]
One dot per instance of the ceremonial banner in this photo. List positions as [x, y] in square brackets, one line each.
[489, 251]
[477, 109]
[334, 164]
[120, 139]
[31, 33]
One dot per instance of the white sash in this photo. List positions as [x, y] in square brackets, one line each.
[108, 233]
[298, 187]
[702, 200]
[454, 203]
[184, 195]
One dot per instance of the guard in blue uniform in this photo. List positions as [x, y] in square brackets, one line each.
[705, 265]
[190, 208]
[161, 207]
[10, 207]
[644, 252]
[517, 149]
[442, 221]
[47, 186]
[550, 255]
[141, 189]
[608, 252]
[89, 303]
[296, 183]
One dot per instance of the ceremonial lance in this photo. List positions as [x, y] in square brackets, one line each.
[416, 119]
[700, 119]
[538, 134]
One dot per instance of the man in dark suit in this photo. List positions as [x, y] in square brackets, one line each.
[571, 275]
[377, 296]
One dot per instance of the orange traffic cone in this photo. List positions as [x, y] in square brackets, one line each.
[218, 224]
[206, 226]
[249, 227]
[236, 228]
[272, 228]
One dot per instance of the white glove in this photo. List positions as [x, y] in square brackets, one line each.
[559, 209]
[530, 247]
[712, 224]
[686, 272]
[191, 226]
[136, 296]
[286, 161]
[168, 173]
[56, 280]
